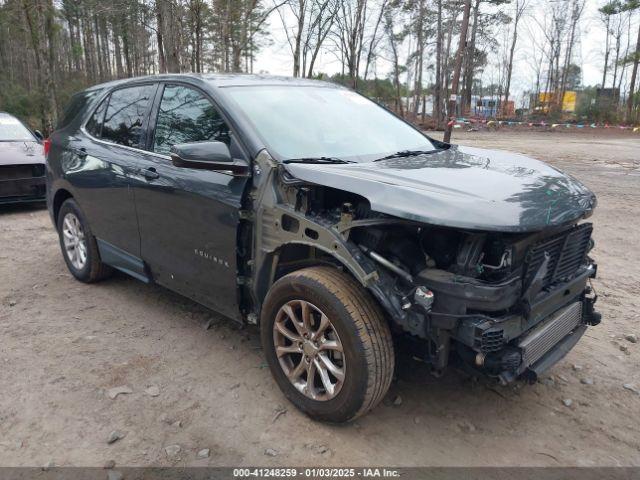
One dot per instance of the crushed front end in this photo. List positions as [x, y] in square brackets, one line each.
[508, 305]
[498, 280]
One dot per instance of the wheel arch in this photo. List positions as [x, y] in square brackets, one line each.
[292, 256]
[297, 255]
[61, 195]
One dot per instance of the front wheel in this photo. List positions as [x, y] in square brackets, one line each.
[327, 344]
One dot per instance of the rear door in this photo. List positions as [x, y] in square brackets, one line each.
[100, 164]
[189, 218]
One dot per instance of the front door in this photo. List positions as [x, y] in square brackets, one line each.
[188, 218]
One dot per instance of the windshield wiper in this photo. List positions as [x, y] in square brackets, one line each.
[317, 160]
[406, 153]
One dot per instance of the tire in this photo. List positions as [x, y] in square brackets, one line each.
[92, 269]
[356, 322]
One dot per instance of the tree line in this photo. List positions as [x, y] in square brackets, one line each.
[427, 59]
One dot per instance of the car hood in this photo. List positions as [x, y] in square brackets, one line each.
[461, 187]
[22, 152]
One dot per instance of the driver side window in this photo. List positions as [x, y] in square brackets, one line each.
[184, 116]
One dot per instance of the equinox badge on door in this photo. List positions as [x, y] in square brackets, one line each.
[208, 256]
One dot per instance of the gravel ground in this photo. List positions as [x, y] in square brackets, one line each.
[64, 346]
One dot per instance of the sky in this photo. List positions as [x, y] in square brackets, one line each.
[589, 54]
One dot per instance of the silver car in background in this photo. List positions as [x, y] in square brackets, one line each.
[22, 162]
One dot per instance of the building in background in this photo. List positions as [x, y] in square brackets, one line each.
[546, 101]
[491, 107]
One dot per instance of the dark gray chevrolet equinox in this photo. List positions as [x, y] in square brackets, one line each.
[309, 210]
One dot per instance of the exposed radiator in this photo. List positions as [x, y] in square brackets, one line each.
[545, 336]
[567, 251]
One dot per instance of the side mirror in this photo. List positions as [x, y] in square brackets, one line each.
[207, 156]
[38, 135]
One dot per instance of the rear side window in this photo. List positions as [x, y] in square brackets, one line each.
[125, 115]
[185, 116]
[94, 125]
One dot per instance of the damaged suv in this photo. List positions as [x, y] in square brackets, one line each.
[304, 208]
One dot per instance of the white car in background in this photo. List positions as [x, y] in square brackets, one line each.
[22, 162]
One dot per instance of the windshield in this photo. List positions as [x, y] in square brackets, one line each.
[11, 130]
[306, 122]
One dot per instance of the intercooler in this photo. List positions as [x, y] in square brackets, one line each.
[543, 338]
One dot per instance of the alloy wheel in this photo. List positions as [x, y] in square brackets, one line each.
[309, 350]
[74, 240]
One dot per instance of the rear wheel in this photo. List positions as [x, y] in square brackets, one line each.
[327, 344]
[78, 245]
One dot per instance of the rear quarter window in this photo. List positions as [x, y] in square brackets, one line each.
[94, 124]
[76, 105]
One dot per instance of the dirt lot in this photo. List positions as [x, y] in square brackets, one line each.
[64, 344]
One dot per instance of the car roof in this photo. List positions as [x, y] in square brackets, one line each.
[221, 80]
[217, 82]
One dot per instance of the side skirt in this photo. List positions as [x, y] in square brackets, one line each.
[123, 261]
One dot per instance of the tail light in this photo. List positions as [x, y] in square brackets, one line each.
[47, 146]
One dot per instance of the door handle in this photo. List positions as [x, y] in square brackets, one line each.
[150, 173]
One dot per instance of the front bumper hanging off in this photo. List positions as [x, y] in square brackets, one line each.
[549, 342]
[537, 349]
[523, 344]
